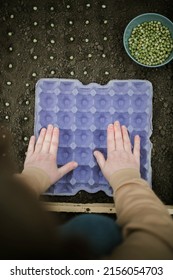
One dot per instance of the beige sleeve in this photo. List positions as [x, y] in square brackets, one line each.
[35, 178]
[146, 224]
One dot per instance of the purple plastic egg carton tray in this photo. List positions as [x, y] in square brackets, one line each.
[82, 113]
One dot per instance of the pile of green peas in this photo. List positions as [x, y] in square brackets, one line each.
[150, 43]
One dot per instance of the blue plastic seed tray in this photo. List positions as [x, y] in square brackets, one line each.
[83, 112]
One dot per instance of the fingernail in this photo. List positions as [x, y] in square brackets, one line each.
[110, 125]
[117, 123]
[75, 164]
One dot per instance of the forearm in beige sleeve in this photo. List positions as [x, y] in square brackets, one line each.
[35, 178]
[146, 224]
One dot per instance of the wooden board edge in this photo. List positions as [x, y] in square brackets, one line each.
[107, 208]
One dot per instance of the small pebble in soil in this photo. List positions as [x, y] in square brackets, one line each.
[9, 83]
[100, 48]
[10, 65]
[31, 50]
[163, 147]
[162, 132]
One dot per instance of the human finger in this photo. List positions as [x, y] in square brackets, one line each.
[100, 159]
[31, 144]
[136, 150]
[126, 139]
[54, 141]
[118, 137]
[40, 140]
[66, 168]
[47, 139]
[110, 139]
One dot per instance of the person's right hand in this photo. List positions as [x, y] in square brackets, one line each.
[43, 154]
[119, 153]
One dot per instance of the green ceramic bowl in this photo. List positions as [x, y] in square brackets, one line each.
[138, 20]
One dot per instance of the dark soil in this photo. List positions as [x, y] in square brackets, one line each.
[40, 43]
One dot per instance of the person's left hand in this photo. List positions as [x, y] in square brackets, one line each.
[43, 155]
